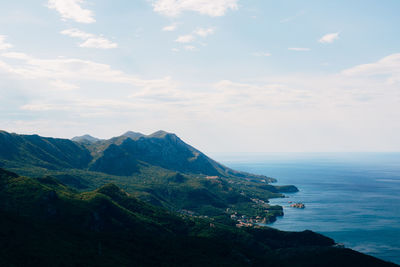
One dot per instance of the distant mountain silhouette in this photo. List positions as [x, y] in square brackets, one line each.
[133, 135]
[85, 138]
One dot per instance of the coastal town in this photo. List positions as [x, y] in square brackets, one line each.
[266, 213]
[245, 221]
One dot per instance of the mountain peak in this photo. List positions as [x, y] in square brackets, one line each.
[85, 138]
[160, 134]
[133, 135]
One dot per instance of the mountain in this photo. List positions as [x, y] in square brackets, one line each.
[85, 138]
[159, 168]
[45, 223]
[121, 155]
[133, 135]
[44, 152]
[161, 149]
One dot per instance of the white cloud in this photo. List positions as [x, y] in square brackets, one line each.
[71, 9]
[89, 104]
[204, 32]
[77, 33]
[388, 67]
[98, 42]
[175, 50]
[63, 85]
[300, 49]
[329, 38]
[170, 28]
[91, 40]
[185, 39]
[3, 44]
[253, 95]
[15, 55]
[189, 38]
[71, 71]
[190, 48]
[344, 110]
[213, 8]
[262, 54]
[297, 93]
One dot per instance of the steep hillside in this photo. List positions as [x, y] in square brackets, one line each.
[123, 155]
[34, 150]
[166, 151]
[160, 149]
[45, 223]
[160, 169]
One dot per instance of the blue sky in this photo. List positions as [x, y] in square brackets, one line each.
[225, 75]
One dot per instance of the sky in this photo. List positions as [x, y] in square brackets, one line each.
[226, 76]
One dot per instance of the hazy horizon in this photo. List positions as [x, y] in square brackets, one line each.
[224, 75]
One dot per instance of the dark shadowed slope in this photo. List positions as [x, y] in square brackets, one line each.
[43, 152]
[45, 223]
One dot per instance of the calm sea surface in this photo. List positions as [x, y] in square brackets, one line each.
[353, 198]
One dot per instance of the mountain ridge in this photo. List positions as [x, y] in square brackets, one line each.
[133, 135]
[159, 168]
[46, 152]
[85, 138]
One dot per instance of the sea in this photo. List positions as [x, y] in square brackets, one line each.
[353, 198]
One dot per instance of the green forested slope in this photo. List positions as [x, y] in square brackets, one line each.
[159, 168]
[45, 223]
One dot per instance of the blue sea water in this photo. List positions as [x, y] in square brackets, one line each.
[353, 198]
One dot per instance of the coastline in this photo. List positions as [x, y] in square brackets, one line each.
[361, 216]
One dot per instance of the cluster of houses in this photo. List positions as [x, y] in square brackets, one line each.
[244, 221]
[260, 202]
[241, 220]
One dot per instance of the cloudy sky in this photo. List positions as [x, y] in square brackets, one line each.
[224, 75]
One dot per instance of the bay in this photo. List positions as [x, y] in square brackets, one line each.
[353, 198]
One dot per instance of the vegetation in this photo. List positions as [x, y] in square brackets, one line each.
[45, 223]
[138, 200]
[160, 169]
